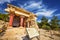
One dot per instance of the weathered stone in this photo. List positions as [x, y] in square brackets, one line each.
[14, 34]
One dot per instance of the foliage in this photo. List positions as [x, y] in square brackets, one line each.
[4, 17]
[46, 27]
[44, 23]
[54, 24]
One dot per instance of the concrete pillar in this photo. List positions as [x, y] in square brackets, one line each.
[11, 19]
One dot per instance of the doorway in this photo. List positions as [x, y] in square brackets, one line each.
[16, 21]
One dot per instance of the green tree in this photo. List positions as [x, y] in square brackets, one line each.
[44, 23]
[54, 23]
[4, 17]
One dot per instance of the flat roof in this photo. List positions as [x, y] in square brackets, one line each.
[21, 9]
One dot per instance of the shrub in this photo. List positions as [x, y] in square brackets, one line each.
[46, 27]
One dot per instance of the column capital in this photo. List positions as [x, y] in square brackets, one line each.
[22, 16]
[12, 14]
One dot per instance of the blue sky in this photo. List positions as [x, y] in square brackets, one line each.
[47, 8]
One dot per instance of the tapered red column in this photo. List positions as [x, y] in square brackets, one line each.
[21, 20]
[24, 24]
[11, 19]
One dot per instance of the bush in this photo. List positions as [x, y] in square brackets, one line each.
[56, 28]
[46, 27]
[4, 17]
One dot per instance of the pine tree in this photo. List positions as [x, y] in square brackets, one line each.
[44, 23]
[54, 22]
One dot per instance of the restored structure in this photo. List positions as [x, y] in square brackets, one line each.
[20, 17]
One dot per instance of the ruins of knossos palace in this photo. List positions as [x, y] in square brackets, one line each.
[19, 17]
[21, 24]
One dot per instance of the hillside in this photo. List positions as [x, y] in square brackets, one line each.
[18, 34]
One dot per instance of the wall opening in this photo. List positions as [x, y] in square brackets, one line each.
[16, 21]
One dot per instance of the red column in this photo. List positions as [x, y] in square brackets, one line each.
[21, 21]
[11, 19]
[24, 24]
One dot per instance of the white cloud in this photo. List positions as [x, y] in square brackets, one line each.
[49, 20]
[57, 15]
[31, 5]
[40, 7]
[3, 1]
[45, 12]
[34, 5]
[39, 21]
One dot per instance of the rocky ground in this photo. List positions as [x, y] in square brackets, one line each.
[21, 34]
[49, 35]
